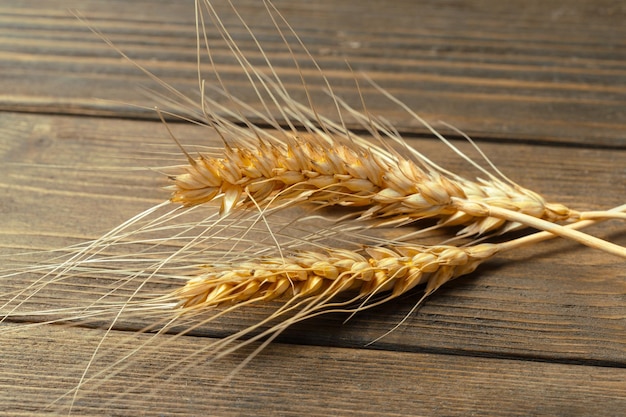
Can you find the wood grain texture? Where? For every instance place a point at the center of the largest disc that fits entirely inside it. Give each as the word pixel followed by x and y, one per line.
pixel 554 304
pixel 538 332
pixel 293 380
pixel 549 70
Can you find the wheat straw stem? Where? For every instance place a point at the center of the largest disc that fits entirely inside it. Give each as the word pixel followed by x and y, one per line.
pixel 479 208
pixel 545 235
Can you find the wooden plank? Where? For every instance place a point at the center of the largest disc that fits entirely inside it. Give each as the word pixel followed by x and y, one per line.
pixel 552 72
pixel 538 332
pixel 293 380
pixel 557 302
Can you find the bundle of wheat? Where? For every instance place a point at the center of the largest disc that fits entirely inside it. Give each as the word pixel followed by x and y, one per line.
pixel 217 263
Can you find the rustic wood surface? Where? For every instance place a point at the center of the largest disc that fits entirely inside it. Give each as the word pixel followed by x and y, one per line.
pixel 541 85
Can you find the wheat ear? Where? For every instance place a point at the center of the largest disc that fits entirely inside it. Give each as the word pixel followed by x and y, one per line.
pixel 308 273
pixel 394 269
pixel 335 166
pixel 309 283
pixel 315 172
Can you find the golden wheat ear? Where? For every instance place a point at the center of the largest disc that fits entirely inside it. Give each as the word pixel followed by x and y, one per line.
pixel 308 283
pixel 329 165
pixel 333 165
pixel 327 272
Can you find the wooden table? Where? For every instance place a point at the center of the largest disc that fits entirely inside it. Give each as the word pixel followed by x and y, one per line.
pixel 540 85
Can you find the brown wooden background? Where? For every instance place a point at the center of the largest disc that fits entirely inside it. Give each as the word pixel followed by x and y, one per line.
pixel 540 84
